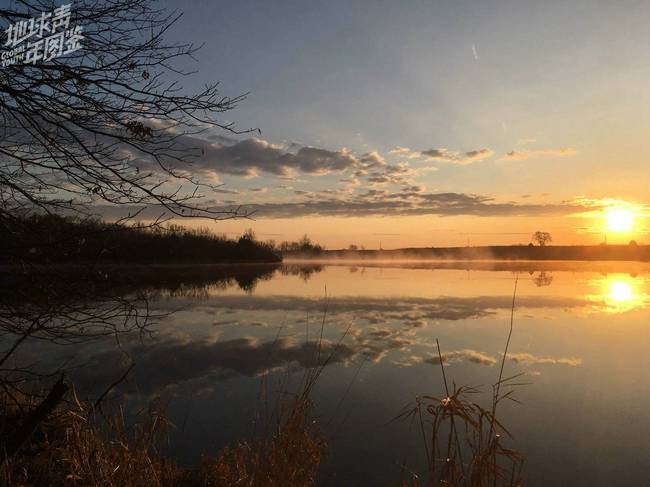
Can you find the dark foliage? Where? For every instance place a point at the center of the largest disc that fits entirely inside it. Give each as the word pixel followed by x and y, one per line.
pixel 54 239
pixel 304 246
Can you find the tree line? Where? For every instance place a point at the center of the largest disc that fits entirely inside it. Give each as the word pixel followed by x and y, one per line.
pixel 56 239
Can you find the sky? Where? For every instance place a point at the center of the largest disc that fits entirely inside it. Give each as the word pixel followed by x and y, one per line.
pixel 423 123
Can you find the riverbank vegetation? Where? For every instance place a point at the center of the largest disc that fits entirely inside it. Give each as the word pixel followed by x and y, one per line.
pixel 81 444
pixel 301 248
pixel 56 239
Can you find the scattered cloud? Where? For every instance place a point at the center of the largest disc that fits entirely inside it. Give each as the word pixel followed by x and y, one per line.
pixel 528 154
pixel 173 360
pixel 466 354
pixel 371 160
pixel 392 173
pixel 410 200
pixel 249 157
pixel 448 358
pixel 351 181
pixel 481 358
pixel 408 312
pixel 453 157
pixel 527 358
pixel 405 152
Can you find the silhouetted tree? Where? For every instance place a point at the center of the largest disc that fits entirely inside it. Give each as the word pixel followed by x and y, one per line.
pixel 542 238
pixel 108 125
pixel 302 246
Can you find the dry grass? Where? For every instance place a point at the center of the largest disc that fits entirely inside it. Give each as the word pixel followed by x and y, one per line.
pixel 79 445
pixel 465 444
pixel 289 457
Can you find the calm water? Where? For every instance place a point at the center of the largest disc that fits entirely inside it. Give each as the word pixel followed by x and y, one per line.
pixel 581 336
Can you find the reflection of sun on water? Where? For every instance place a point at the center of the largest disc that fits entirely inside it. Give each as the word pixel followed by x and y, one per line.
pixel 620 293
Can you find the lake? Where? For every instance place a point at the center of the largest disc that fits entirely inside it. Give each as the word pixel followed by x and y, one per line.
pixel 580 339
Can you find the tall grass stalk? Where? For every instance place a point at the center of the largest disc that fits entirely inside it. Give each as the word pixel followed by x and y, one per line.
pixel 463 441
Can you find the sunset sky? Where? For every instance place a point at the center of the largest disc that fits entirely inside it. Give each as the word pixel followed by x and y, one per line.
pixel 446 123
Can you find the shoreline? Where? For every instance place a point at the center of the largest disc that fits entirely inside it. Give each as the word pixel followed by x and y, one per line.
pixel 516 253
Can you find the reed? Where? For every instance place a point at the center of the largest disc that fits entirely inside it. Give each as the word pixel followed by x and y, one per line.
pixel 79 443
pixel 465 444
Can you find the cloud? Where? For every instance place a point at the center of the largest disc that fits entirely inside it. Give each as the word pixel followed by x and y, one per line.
pixel 392 173
pixel 469 157
pixel 444 155
pixel 372 160
pixel 375 343
pixel 476 155
pixel 253 156
pixel 465 354
pixel 410 200
pixel 405 152
pixel 381 327
pixel 481 358
pixel 225 323
pixel 528 358
pixel 523 155
pixel 406 311
pixel 248 158
pixel 379 179
pixel 174 360
pixel 351 181
pixel 415 188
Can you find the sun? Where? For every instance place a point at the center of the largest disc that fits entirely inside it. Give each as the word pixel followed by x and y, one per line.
pixel 619 220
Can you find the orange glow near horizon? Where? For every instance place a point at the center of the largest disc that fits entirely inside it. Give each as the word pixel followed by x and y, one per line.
pixel 620 220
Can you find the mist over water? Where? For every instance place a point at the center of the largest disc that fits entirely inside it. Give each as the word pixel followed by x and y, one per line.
pixel 580 339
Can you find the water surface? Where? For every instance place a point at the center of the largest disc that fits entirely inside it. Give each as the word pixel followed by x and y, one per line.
pixel 580 337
